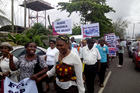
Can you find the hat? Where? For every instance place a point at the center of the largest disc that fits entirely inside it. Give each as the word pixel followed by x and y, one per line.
pixel 7 45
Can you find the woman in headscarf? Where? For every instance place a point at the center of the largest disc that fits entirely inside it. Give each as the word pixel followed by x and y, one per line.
pixel 68 69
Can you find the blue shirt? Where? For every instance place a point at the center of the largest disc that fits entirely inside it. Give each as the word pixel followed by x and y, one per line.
pixel 103 52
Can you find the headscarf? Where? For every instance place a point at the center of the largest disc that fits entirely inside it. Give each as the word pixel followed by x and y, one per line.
pixel 65 38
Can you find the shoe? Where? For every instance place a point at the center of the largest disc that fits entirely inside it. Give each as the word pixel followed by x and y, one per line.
pixel 101 85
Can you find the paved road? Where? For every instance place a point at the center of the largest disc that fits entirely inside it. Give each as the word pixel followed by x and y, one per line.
pixel 125 79
pixel 121 80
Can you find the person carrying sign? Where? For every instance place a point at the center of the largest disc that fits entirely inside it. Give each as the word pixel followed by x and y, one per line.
pixel 27 63
pixel 5 71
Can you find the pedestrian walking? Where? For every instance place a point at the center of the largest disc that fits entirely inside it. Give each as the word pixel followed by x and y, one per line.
pixel 29 63
pixel 104 61
pixel 90 57
pixel 120 52
pixel 68 69
pixel 50 60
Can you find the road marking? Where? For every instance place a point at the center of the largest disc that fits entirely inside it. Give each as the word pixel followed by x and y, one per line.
pixel 105 82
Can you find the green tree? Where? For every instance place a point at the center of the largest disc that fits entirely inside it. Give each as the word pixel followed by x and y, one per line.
pixel 36 34
pixel 91 11
pixel 76 30
pixel 120 26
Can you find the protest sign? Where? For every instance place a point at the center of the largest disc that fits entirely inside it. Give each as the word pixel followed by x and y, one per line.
pixel 90 30
pixel 62 27
pixel 111 42
pixel 24 86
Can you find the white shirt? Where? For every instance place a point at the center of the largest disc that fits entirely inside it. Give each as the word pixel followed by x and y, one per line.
pixel 51 55
pixel 91 56
pixel 4 65
pixel 71 59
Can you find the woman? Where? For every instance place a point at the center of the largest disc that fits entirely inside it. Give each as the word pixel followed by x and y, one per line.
pixel 27 63
pixel 50 59
pixel 5 48
pixel 68 69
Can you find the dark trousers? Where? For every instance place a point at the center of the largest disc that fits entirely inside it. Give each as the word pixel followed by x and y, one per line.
pixel 40 87
pixel 102 72
pixel 72 89
pixel 90 74
pixel 120 58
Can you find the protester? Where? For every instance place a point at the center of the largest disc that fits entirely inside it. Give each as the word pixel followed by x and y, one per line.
pixel 68 69
pixel 90 57
pixel 73 43
pixel 120 52
pixel 5 71
pixel 50 59
pixel 83 44
pixel 103 64
pixel 27 63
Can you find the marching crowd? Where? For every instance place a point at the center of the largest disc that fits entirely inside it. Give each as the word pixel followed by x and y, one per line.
pixel 70 66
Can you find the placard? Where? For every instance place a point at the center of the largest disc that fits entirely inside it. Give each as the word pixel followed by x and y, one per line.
pixel 62 27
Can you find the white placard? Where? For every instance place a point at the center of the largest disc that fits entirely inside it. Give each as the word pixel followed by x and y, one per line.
pixel 62 27
pixel 24 86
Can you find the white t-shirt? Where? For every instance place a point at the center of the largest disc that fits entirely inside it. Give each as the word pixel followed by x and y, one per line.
pixel 51 55
pixel 4 65
pixel 71 59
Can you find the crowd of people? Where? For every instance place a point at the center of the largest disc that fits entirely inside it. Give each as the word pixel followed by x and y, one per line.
pixel 66 64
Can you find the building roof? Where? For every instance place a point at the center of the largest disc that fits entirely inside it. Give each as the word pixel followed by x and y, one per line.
pixel 37 5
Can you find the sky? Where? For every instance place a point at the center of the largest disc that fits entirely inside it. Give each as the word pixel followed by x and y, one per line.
pixel 126 9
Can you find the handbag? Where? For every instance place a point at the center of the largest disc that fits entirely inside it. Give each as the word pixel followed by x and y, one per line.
pixel 37 67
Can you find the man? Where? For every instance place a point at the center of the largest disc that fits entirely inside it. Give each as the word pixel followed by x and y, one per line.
pixel 121 52
pixel 103 49
pixel 90 57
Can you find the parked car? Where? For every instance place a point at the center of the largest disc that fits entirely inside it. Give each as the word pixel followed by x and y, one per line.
pixel 131 47
pixel 136 55
pixel 20 50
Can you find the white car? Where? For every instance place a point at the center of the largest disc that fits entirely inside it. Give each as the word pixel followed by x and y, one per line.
pixel 20 50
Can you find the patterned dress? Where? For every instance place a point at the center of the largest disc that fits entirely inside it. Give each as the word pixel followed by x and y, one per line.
pixel 27 67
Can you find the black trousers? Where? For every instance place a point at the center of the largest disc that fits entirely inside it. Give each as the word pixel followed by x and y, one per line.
pixel 90 74
pixel 120 58
pixel 72 89
pixel 102 72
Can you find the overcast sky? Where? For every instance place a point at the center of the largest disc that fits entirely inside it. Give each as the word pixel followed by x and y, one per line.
pixel 127 9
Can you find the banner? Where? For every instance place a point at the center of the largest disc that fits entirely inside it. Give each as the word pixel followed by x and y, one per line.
pixel 25 86
pixel 111 42
pixel 90 30
pixel 62 27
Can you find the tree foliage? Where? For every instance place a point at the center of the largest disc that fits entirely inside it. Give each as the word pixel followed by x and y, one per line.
pixel 35 34
pixel 91 11
pixel 76 30
pixel 120 26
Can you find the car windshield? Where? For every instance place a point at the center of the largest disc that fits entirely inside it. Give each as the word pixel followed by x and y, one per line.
pixel 21 51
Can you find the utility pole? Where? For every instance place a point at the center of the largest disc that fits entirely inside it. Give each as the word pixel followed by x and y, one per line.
pixel 133 31
pixel 12 15
pixel 25 13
